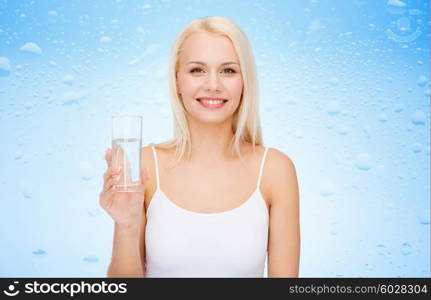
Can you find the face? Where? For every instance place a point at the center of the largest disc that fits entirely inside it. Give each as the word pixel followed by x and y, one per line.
pixel 209 68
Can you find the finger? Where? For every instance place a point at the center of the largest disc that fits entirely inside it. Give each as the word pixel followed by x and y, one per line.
pixel 109 173
pixel 108 156
pixel 110 183
pixel 108 179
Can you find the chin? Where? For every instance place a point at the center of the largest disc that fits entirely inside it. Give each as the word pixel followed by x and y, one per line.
pixel 214 120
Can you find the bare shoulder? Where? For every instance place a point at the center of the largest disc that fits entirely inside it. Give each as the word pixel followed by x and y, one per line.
pixel 147 160
pixel 281 170
pixel 279 160
pixel 146 150
pixel 147 157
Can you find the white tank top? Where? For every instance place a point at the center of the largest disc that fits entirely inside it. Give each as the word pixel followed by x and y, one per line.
pixel 183 243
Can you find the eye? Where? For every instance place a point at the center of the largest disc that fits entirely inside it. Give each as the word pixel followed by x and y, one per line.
pixel 227 70
pixel 231 71
pixel 194 70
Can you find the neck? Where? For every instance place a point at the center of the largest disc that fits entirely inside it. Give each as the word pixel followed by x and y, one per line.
pixel 210 143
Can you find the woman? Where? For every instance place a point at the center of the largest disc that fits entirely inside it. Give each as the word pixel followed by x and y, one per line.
pixel 213 202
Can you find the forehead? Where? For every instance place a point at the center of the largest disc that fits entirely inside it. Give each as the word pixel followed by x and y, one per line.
pixel 208 47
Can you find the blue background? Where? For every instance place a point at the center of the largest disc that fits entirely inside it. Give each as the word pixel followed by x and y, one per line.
pixel 344 89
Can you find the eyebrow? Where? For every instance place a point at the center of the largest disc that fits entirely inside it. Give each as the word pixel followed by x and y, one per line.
pixel 202 63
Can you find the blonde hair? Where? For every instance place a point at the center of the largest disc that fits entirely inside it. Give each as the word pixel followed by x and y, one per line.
pixel 246 123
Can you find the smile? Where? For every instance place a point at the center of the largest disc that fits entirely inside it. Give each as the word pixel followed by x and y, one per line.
pixel 212 103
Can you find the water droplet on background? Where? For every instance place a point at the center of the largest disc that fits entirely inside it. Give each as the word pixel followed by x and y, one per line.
pixel 367 130
pixel 364 161
pixel 314 89
pixel 334 81
pixel 28 105
pixel 380 248
pixel 39 252
pixel 86 171
pixel 417 147
pixel 415 12
pixel 93 212
pixel 18 155
pixel 398 107
pixel 4 66
pixel 342 129
pixel 406 249
pixel 291 100
pixel 105 39
pixel 422 81
pixel 330 124
pixel 74 97
pixel 356 182
pixel 26 188
pixel 31 48
pixel 424 217
pixel 418 117
pixel 68 79
pixel 299 134
pixel 90 259
pixel 383 118
pixel 333 108
pixel 327 189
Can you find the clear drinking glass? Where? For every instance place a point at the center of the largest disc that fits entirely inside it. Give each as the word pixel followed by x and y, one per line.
pixel 126 150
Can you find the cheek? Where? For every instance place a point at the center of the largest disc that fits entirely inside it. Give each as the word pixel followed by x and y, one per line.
pixel 235 87
pixel 189 85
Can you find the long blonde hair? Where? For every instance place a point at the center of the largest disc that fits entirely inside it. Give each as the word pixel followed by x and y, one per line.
pixel 246 122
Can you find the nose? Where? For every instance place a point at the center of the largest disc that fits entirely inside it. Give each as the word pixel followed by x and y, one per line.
pixel 213 82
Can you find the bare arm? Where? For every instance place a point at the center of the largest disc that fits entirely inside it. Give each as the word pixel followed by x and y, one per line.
pixel 128 213
pixel 126 258
pixel 284 232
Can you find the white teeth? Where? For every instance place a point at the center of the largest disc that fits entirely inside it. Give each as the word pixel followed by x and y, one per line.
pixel 212 102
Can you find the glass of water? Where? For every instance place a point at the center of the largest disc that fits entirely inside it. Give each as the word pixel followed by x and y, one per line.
pixel 126 150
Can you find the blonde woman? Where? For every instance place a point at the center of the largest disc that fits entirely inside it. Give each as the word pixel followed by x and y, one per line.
pixel 214 201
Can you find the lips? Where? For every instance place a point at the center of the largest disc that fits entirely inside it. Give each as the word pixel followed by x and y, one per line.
pixel 211 98
pixel 206 102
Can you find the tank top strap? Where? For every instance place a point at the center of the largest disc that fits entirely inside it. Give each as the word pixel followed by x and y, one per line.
pixel 156 163
pixel 262 163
